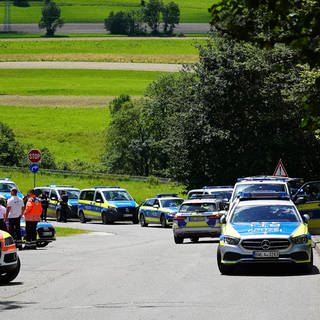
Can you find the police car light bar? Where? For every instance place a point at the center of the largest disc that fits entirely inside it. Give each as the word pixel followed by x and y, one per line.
pixel 263 195
pixel 263 178
pixel 58 186
pixel 203 196
pixel 107 187
pixel 162 195
pixel 5 179
pixel 217 187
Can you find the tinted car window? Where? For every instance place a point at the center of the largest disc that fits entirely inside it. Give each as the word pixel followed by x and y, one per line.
pixel 198 207
pixel 72 194
pixel 99 197
pixel 53 194
pixel 6 187
pixel 171 203
pixel 117 195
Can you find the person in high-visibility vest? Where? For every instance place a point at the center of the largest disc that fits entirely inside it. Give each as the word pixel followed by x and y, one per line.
pixel 32 216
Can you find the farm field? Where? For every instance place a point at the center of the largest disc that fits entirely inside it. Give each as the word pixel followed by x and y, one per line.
pixel 69 133
pixel 139 190
pixel 98 10
pixel 144 50
pixel 74 82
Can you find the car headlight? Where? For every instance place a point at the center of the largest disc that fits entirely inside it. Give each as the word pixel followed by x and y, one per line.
pixel 231 240
pixel 8 241
pixel 300 240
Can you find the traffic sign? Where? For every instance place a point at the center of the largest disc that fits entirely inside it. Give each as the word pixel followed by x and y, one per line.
pixel 280 170
pixel 34 155
pixel 34 167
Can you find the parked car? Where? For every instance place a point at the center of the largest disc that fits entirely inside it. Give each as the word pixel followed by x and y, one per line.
pixel 159 210
pixel 54 195
pixel 5 187
pixel 107 204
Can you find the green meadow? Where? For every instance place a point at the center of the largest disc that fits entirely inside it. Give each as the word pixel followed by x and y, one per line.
pixel 98 10
pixel 74 82
pixel 116 50
pixel 140 190
pixel 69 133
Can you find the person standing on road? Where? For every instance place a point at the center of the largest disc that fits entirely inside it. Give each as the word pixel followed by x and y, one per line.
pixel 3 225
pixel 14 212
pixel 44 203
pixel 64 206
pixel 32 215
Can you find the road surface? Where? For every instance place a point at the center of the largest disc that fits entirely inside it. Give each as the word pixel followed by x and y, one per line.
pixel 123 271
pixel 99 28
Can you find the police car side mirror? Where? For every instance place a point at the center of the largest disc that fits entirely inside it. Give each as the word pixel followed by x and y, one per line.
pixel 98 200
pixel 300 200
pixel 306 218
pixel 223 219
pixel 53 198
pixel 156 206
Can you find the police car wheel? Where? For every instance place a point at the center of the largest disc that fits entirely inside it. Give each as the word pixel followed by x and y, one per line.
pixel 223 268
pixel 143 221
pixel 163 221
pixel 10 275
pixel 194 239
pixel 82 217
pixel 58 217
pixel 308 267
pixel 178 240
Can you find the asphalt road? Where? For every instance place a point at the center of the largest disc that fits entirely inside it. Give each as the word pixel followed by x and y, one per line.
pixel 99 28
pixel 123 271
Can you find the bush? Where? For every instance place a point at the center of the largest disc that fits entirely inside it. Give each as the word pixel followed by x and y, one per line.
pixel 50 19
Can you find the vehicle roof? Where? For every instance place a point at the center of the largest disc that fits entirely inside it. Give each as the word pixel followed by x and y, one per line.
pixel 275 181
pixel 205 200
pixel 104 189
pixel 165 198
pixel 273 202
pixel 57 187
pixel 6 180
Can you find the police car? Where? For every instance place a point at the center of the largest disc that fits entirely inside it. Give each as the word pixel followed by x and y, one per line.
pixel 219 192
pixel 159 210
pixel 107 204
pixel 5 187
pixel 266 229
pixel 307 200
pixel 197 218
pixel 9 260
pixel 54 196
pixel 45 232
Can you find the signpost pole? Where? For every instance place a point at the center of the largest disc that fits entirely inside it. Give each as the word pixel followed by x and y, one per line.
pixel 34 180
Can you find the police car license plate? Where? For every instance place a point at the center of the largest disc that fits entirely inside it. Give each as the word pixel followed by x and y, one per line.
pixel 47 233
pixel 125 215
pixel 197 218
pixel 266 254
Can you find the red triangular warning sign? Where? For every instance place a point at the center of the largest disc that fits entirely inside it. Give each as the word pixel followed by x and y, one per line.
pixel 280 170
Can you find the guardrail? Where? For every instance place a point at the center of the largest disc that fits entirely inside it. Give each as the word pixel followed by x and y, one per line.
pixel 88 174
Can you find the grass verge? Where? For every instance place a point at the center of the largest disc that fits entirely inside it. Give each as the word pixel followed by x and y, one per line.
pixel 74 82
pixel 67 232
pixel 140 190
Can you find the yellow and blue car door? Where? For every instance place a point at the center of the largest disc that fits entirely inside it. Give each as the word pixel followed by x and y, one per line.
pixel 86 204
pixel 53 204
pixel 310 192
pixel 153 212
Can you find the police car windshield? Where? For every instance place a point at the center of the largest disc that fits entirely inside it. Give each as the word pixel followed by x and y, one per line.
pixel 221 194
pixel 198 207
pixel 6 186
pixel 117 195
pixel 250 187
pixel 72 194
pixel 264 213
pixel 171 203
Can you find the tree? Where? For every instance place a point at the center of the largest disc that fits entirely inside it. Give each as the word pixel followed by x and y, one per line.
pixel 171 17
pixel 233 116
pixel 21 3
pixel 50 19
pixel 152 12
pixel 47 160
pixel 295 23
pixel 11 152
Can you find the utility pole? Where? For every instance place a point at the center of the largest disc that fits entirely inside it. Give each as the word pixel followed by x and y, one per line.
pixel 6 20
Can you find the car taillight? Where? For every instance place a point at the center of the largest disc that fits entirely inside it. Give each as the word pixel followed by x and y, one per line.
pixel 213 217
pixel 179 218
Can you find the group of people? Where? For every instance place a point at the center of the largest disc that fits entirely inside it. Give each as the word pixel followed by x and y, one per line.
pixel 31 207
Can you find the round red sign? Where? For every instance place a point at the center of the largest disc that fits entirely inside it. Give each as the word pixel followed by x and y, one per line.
pixel 34 155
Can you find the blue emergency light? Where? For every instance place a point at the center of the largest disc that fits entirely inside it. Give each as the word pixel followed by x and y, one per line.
pixel 263 195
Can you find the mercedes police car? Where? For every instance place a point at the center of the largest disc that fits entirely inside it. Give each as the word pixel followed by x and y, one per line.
pixel 159 210
pixel 197 218
pixel 107 204
pixel 5 187
pixel 54 196
pixel 266 229
pixel 9 260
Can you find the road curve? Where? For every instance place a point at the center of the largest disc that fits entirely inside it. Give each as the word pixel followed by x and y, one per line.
pixel 162 67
